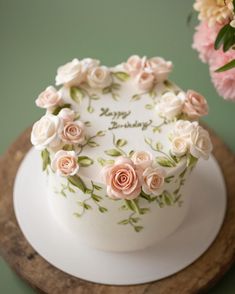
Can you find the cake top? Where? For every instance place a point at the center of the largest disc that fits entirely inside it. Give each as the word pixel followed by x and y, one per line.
pixel 129 114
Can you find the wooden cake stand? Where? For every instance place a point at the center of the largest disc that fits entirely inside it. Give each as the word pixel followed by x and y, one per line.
pixel 199 276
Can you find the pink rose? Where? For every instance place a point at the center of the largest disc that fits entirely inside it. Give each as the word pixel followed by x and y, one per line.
pixel 73 133
pixel 67 114
pixel 153 180
pixel 135 64
pixel 195 105
pixel 224 81
pixel 203 40
pixel 142 159
pixel 160 67
pixel 65 163
pixel 145 80
pixel 123 179
pixel 48 98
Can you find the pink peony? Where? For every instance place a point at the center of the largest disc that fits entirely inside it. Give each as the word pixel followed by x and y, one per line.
pixel 203 40
pixel 123 179
pixel 224 81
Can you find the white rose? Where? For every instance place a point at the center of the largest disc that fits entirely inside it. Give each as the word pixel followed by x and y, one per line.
pixel 49 98
pixel 88 63
pixel 67 114
pixel 70 74
pixel 160 67
pixel 183 128
pixel 201 145
pixel 170 104
pixel 179 146
pixel 142 159
pixel 99 77
pixel 45 132
pixel 153 180
pixel 145 80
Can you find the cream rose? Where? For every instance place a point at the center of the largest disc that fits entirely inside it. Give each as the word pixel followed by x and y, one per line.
pixel 88 63
pixel 123 179
pixel 145 80
pixel 179 146
pixel 45 132
pixel 70 74
pixel 171 104
pixel 134 65
pixel 65 163
pixel 142 159
pixel 160 67
pixel 200 143
pixel 67 114
pixel 49 98
pixel 73 133
pixel 99 77
pixel 195 105
pixel 183 128
pixel 153 180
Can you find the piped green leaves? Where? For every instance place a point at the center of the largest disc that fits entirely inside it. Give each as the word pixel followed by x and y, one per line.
pixel 77 182
pixel 113 152
pixel 76 94
pixel 45 159
pixel 84 161
pixel 121 76
pixel 59 108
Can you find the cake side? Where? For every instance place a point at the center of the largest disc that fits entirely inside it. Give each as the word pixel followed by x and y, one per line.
pixel 118 144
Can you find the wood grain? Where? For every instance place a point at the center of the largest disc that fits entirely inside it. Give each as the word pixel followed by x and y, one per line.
pixel 197 277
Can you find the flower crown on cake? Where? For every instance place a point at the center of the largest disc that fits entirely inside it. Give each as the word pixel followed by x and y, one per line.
pixel 62 137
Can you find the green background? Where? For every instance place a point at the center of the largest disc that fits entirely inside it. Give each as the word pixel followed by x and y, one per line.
pixel 38 36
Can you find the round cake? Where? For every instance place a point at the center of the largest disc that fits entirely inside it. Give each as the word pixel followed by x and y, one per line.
pixel 117 145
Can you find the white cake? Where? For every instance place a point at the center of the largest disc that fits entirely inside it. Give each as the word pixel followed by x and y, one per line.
pixel 118 145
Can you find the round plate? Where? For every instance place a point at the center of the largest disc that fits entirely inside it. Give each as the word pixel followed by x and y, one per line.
pixel 63 249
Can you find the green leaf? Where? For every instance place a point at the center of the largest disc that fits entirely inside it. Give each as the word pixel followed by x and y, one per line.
pixel 59 108
pixel 90 109
pixel 121 75
pixel 183 173
pixel 167 199
pixel 164 161
pixel 159 146
pixel 136 97
pixel 104 162
pixel 124 222
pixel 191 160
pixel 116 86
pixel 168 179
pixel 102 209
pixel 76 94
pixel 78 215
pixel 138 228
pixel 86 206
pixel 144 210
pixel 94 97
pixel 87 123
pixel 45 159
pixel 85 161
pixel 149 106
pixel 148 141
pixel 68 147
pixel 100 133
pixel 92 143
pixel 113 152
pixel 220 37
pixel 77 182
pixel 131 153
pixel 95 197
pixel 106 90
pixel 135 220
pixel 121 142
pixel 97 187
pixel 132 205
pixel 227 66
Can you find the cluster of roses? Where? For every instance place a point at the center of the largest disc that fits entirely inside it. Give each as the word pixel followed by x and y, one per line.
pixel 127 176
pixel 189 137
pixel 147 72
pixel 191 104
pixel 217 27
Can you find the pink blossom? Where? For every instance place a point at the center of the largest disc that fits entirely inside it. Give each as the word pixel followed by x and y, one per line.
pixel 65 163
pixel 195 105
pixel 123 179
pixel 224 81
pixel 204 39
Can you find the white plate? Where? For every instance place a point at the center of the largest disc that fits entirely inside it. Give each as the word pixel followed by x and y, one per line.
pixel 62 248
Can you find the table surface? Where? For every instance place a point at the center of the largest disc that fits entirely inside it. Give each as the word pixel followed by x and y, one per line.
pixel 38 36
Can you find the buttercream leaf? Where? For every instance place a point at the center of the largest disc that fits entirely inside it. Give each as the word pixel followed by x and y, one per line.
pixel 76 94
pixel 121 142
pixel 77 182
pixel 113 152
pixel 164 161
pixel 85 161
pixel 121 75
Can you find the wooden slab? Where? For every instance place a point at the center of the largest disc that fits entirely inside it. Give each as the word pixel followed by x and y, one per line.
pixel 197 277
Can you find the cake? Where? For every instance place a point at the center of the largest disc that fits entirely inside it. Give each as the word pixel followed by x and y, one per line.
pixel 117 146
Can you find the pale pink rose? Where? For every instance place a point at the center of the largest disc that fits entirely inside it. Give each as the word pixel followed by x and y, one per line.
pixel 153 180
pixel 142 159
pixel 99 77
pixel 145 80
pixel 45 132
pixel 195 105
pixel 200 143
pixel 179 146
pixel 73 133
pixel 203 40
pixel 49 98
pixel 224 81
pixel 65 163
pixel 134 65
pixel 160 67
pixel 71 74
pixel 123 179
pixel 67 114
